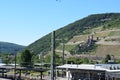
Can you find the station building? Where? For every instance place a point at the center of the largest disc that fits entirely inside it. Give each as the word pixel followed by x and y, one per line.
pixel 90 71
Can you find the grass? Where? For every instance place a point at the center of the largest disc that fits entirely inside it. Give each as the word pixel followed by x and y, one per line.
pixel 102 34
pixel 79 38
pixel 59 53
pixel 114 33
pixel 95 35
pixel 108 49
pixel 113 39
pixel 67 47
pixel 93 30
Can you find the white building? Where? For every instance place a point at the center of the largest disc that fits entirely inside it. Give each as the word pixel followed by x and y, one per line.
pixel 91 72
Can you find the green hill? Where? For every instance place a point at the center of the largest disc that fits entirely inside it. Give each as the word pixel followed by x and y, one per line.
pixel 6 47
pixel 85 26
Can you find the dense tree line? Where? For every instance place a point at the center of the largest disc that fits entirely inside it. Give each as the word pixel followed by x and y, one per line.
pixel 6 47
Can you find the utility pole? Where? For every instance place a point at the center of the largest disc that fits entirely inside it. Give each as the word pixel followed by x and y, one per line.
pixel 63 48
pixel 52 56
pixel 15 68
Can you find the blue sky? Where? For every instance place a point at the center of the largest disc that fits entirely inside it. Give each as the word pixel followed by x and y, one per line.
pixel 25 21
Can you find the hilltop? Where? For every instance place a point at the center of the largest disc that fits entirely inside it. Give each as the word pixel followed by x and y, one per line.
pixel 103 27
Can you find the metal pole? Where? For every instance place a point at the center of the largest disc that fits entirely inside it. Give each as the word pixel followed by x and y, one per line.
pixel 41 75
pixel 20 75
pixel 53 55
pixel 15 68
pixel 63 47
pixel 63 54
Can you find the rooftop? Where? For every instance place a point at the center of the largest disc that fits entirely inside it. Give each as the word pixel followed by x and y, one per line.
pixel 101 67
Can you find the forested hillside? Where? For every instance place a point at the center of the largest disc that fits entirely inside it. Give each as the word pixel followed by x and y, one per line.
pixel 6 47
pixel 106 21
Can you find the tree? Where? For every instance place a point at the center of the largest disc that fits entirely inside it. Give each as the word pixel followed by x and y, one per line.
pixel 26 59
pixel 107 57
pixel 85 60
pixel 47 59
pixel 6 58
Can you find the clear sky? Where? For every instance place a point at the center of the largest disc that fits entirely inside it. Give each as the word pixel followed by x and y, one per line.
pixel 25 21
